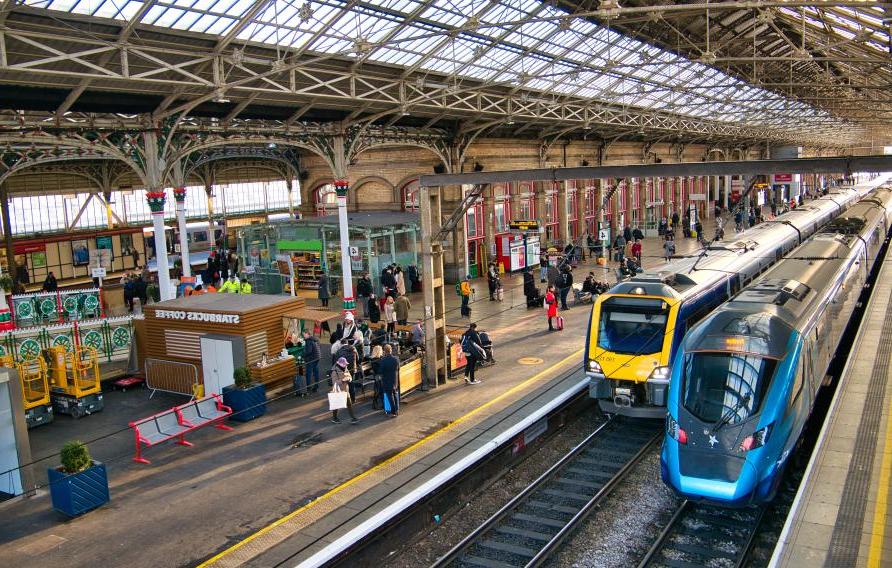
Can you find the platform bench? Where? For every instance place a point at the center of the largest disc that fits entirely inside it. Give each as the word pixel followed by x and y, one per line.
pixel 177 422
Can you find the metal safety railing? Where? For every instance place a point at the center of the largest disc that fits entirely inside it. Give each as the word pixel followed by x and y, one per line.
pixel 172 376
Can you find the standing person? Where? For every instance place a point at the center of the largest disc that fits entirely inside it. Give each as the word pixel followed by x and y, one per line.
pixel 566 282
pixel 312 355
pixel 418 333
pixel 129 291
pixel 591 243
pixel 373 310
pixel 135 254
pixel 551 304
pixel 389 368
pixel 388 282
pixel 529 287
pixel 627 233
pixel 230 286
pixel 674 220
pixel 543 267
pixel 636 250
pixel 402 307
pixel 390 315
pixel 400 280
pixel 50 284
pixel 464 290
pixel 492 279
pixel 323 290
pixel 363 291
pixel 619 247
pixel 472 346
pixel 245 287
pixel 637 235
pixel 668 248
pixel 341 379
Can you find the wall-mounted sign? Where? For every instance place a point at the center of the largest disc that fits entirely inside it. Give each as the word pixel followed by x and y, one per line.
pixel 780 178
pixel 29 248
pixel 528 225
pixel 97 272
pixel 197 316
pixel 104 243
pixel 697 197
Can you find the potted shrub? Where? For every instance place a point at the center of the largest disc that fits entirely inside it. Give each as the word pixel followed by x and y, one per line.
pixel 80 484
pixel 247 399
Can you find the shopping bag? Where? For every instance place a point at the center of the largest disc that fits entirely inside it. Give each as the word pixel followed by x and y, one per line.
pixel 386 398
pixel 560 322
pixel 500 293
pixel 337 400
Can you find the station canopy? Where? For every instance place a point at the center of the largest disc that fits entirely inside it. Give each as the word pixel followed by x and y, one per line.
pixel 534 48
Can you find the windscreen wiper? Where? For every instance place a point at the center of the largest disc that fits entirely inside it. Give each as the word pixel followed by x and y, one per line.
pixel 726 417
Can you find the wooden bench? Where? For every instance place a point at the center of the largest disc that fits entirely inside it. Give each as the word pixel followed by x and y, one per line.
pixel 177 422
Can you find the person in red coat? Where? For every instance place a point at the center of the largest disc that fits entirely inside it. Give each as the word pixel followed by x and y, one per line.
pixel 551 303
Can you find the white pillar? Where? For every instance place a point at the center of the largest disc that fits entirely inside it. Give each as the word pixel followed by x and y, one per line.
pixel 179 194
pixel 156 204
pixel 341 187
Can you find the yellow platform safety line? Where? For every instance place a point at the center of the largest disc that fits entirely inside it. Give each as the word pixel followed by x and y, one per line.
pixel 209 562
pixel 875 552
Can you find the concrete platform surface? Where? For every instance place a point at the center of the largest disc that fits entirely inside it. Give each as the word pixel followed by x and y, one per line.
pixel 841 515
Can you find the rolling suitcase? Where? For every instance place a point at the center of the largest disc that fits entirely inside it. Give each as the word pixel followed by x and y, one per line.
pixel 559 323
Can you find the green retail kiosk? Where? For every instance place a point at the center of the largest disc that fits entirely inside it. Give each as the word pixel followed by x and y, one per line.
pixel 377 239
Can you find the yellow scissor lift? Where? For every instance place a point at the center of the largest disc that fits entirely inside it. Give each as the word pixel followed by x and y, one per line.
pixel 75 378
pixel 35 389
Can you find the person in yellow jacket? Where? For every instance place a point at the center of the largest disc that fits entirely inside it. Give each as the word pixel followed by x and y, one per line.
pixel 245 287
pixel 230 286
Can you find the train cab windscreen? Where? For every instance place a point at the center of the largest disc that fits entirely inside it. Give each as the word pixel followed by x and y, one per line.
pixel 725 387
pixel 632 326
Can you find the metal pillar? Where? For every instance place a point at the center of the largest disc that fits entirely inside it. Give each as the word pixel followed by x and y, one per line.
pixel 179 195
pixel 6 322
pixel 156 201
pixel 341 188
pixel 435 352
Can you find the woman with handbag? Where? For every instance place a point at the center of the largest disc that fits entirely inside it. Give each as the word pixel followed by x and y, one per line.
pixel 551 304
pixel 339 397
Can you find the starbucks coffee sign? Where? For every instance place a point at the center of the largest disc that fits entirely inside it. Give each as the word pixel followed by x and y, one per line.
pixel 197 316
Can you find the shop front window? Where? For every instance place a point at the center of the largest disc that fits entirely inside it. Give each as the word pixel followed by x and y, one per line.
pixel 501 222
pixel 411 196
pixel 471 222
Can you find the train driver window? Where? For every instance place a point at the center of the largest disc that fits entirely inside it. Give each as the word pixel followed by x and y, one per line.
pixel 799 379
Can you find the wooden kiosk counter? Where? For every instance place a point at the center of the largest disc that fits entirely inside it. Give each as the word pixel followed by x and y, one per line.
pixel 212 334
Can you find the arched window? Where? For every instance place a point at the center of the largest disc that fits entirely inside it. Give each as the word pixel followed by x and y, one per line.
pixel 411 200
pixel 326 200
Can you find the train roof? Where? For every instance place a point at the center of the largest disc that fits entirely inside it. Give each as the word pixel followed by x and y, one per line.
pixel 764 332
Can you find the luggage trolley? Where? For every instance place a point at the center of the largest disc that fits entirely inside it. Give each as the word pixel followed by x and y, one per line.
pixel 76 390
pixel 35 392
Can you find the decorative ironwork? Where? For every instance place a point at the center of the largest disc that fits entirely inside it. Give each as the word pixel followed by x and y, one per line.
pixel 156 200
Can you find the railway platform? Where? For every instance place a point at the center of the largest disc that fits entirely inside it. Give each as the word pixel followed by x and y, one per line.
pixel 278 485
pixel 841 514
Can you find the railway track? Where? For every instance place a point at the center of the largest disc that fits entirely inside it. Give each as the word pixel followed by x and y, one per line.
pixel 528 529
pixel 701 535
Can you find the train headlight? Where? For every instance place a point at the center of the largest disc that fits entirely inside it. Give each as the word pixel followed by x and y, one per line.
pixel 660 374
pixel 594 366
pixel 756 440
pixel 675 431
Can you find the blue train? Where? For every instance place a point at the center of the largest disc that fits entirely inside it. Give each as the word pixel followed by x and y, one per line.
pixel 746 377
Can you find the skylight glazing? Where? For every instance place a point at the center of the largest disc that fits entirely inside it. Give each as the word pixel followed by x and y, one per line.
pixel 524 44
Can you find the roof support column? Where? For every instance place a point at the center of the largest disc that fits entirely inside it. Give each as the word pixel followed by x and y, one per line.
pixel 179 195
pixel 489 225
pixel 435 352
pixel 6 322
pixel 156 200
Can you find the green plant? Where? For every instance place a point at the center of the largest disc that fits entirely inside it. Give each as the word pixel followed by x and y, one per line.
pixel 75 457
pixel 242 377
pixel 152 291
pixel 6 282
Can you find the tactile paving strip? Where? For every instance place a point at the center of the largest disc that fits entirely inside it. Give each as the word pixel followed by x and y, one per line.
pixel 845 541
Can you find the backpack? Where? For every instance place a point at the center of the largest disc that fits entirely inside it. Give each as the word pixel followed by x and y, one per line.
pixel 466 344
pixel 458 288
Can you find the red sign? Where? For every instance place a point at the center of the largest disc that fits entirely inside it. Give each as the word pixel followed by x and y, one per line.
pixel 28 248
pixel 782 178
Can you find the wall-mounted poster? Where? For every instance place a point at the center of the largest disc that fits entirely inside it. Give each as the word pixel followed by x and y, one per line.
pixel 104 243
pixel 38 260
pixel 80 253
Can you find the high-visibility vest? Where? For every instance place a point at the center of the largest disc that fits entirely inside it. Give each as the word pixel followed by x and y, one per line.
pixel 245 288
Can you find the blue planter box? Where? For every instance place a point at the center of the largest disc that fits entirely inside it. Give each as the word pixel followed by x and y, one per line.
pixel 246 404
pixel 80 492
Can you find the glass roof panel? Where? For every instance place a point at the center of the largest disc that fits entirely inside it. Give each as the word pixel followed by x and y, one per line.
pixel 508 38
